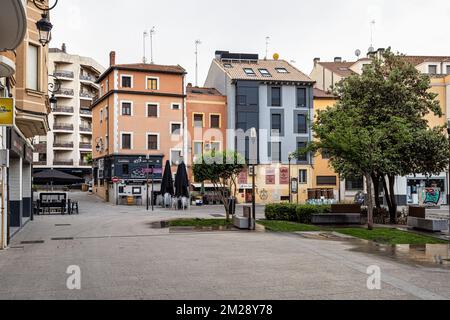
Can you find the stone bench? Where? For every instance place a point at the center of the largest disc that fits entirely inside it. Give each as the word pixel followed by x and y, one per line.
pixel 243 222
pixel 433 225
pixel 337 218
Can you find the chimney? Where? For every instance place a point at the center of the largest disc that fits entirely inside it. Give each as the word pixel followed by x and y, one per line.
pixel 63 48
pixel 189 84
pixel 337 59
pixel 112 58
pixel 316 61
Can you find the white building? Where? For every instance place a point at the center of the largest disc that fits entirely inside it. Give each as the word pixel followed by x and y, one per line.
pixel 69 143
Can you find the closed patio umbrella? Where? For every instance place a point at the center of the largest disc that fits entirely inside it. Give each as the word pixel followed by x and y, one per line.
pixel 182 182
pixel 167 181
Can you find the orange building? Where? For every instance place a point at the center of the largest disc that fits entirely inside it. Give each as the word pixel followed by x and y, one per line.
pixel 137 125
pixel 206 122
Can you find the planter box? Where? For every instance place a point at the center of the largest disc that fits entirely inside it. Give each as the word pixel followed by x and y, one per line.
pixel 345 208
pixel 337 218
pixel 417 212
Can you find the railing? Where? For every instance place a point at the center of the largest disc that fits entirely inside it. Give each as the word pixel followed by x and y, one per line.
pixel 64 92
pixel 85 145
pixel 63 162
pixel 63 144
pixel 88 77
pixel 40 147
pixel 63 126
pixel 87 95
pixel 85 129
pixel 85 163
pixel 63 109
pixel 63 74
pixel 85 112
pixel 40 163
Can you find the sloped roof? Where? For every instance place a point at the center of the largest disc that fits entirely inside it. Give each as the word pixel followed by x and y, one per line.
pixel 320 94
pixel 152 67
pixel 236 70
pixel 416 60
pixel 203 91
pixel 340 68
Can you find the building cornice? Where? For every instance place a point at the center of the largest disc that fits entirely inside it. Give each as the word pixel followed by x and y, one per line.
pixel 139 93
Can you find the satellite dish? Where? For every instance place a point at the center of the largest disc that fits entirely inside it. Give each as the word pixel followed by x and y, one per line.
pixel 371 49
pixel 276 56
pixel 358 53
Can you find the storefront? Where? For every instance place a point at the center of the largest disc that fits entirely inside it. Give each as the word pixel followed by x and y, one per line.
pixel 416 186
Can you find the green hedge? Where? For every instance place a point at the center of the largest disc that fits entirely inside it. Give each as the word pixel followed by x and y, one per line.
pixel 293 212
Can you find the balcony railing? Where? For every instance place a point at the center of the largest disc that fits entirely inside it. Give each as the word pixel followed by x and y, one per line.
pixel 85 128
pixel 85 163
pixel 63 126
pixel 40 163
pixel 64 92
pixel 87 95
pixel 85 145
pixel 63 109
pixel 88 77
pixel 63 74
pixel 63 144
pixel 63 162
pixel 40 147
pixel 85 112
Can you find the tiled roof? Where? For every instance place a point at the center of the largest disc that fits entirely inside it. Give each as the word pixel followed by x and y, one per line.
pixel 152 67
pixel 323 94
pixel 236 70
pixel 203 91
pixel 340 68
pixel 416 60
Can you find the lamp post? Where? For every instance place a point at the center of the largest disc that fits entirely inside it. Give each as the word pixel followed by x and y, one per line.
pixel 448 187
pixel 44 25
pixel 291 156
pixel 253 159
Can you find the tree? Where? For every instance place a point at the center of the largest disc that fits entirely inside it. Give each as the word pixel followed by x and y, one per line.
pixel 221 169
pixel 388 104
pixel 89 159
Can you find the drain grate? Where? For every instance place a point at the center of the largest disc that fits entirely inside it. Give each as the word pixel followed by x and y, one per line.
pixel 62 225
pixel 63 239
pixel 32 242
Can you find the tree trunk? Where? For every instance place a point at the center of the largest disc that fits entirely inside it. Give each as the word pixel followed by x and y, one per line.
pixel 393 208
pixel 369 184
pixel 376 189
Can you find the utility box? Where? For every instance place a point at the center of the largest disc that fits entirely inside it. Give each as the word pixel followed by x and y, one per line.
pixel 243 222
pixel 4 158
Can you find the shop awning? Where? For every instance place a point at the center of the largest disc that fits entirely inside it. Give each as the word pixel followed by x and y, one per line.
pixel 13 23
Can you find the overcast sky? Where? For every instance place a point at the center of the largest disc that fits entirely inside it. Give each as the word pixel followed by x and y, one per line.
pixel 299 30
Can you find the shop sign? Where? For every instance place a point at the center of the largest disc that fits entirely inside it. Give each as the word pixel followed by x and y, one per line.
pixel 284 175
pixel 28 155
pixel 294 186
pixel 6 112
pixel 270 176
pixel 17 144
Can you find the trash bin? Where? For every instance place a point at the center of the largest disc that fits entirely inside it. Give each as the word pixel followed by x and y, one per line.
pixel 232 205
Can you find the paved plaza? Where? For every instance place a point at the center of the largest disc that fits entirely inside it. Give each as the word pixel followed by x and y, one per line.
pixel 122 257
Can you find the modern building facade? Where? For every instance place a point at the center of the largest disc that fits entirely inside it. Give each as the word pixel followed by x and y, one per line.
pixel 68 146
pixel 23 97
pixel 407 189
pixel 138 124
pixel 270 107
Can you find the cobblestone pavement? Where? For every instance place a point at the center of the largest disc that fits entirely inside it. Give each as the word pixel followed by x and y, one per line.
pixel 122 257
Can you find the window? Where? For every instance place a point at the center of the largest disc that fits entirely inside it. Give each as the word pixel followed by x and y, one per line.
pixel 326 180
pixel 175 106
pixel 152 83
pixel 175 157
pixel 448 69
pixel 432 69
pixel 125 169
pixel 126 141
pixel 281 70
pixel 175 128
pixel 101 115
pixel 227 65
pixel 126 82
pixel 302 126
pixel 198 148
pixel 301 97
pixel 354 183
pixel 276 96
pixel 152 111
pixel 214 121
pixel 276 124
pixel 126 108
pixel 242 100
pixel 249 72
pixel 300 146
pixel 265 72
pixel 276 151
pixel 106 113
pixel 152 142
pixel 106 142
pixel 33 67
pixel 303 176
pixel 198 120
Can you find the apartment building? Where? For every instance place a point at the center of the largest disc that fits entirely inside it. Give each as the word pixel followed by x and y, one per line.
pixel 138 124
pixel 327 74
pixel 68 146
pixel 206 110
pixel 274 100
pixel 25 106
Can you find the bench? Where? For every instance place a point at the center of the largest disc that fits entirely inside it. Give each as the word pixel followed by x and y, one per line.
pixel 340 214
pixel 243 222
pixel 417 220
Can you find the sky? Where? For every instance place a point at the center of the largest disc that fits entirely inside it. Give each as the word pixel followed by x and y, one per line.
pixel 299 30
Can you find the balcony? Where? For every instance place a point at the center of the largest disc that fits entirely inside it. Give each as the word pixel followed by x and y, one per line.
pixel 61 74
pixel 63 127
pixel 63 110
pixel 40 163
pixel 88 95
pixel 85 164
pixel 63 162
pixel 86 129
pixel 88 77
pixel 40 147
pixel 85 146
pixel 64 93
pixel 85 113
pixel 63 145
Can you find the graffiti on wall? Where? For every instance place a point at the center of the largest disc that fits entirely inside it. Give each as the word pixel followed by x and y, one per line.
pixel 430 196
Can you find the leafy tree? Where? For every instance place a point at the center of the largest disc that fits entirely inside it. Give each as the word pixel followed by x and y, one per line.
pixel 89 159
pixel 221 169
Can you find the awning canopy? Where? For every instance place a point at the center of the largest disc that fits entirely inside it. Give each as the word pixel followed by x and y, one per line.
pixel 49 176
pixel 13 23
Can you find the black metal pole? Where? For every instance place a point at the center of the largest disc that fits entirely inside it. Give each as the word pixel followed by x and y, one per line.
pixel 253 222
pixel 147 187
pixel 290 186
pixel 153 188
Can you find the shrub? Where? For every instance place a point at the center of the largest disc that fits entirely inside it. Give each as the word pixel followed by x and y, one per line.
pixel 293 212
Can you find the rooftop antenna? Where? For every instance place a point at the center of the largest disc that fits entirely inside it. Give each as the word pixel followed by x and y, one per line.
pixel 267 47
pixel 197 43
pixel 372 28
pixel 152 32
pixel 145 38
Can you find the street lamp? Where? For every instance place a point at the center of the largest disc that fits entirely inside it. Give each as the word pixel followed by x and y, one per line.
pixel 291 156
pixel 53 87
pixel 44 25
pixel 253 160
pixel 448 187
